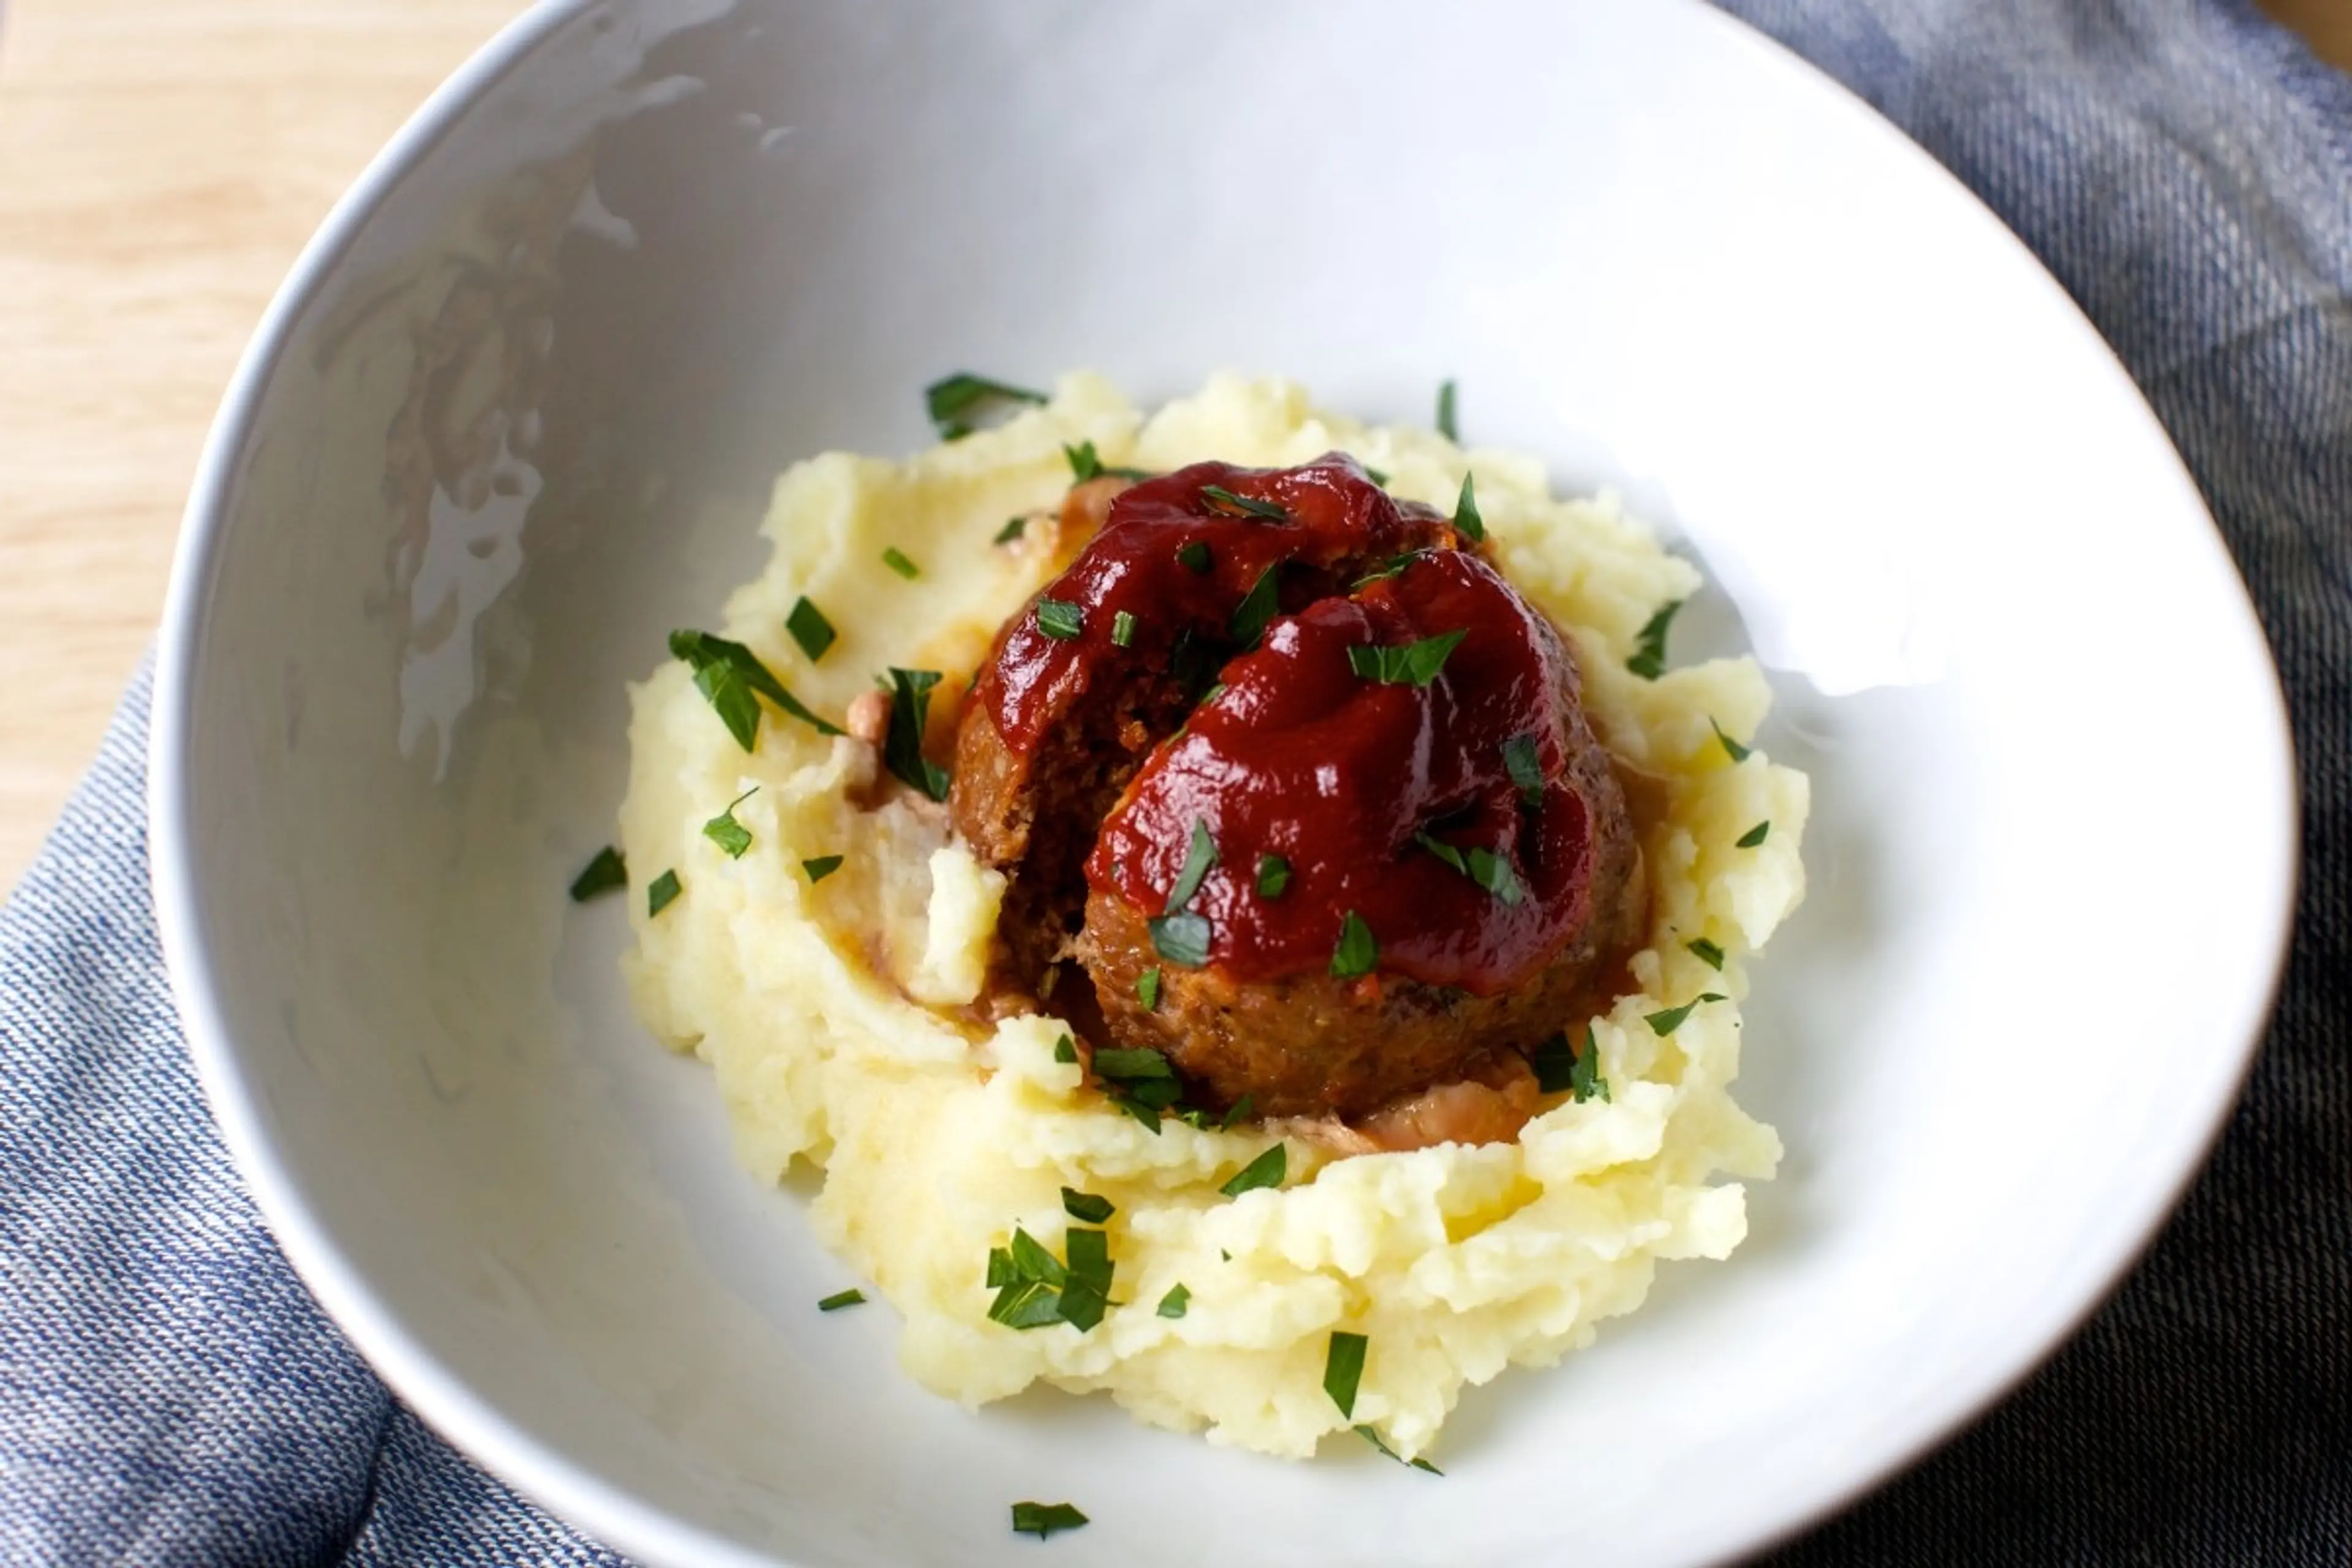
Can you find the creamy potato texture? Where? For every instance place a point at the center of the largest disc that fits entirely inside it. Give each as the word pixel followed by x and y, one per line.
pixel 838 1014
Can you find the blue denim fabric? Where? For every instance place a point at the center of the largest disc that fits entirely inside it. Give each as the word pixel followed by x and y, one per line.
pixel 170 1394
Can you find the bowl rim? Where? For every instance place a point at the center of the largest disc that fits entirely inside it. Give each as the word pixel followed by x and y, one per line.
pixel 473 1424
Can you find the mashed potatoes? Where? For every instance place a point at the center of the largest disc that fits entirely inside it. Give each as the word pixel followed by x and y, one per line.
pixel 837 1012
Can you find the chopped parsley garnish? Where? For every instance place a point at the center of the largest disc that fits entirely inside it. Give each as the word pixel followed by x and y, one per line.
pixel 1446 412
pixel 1123 629
pixel 1584 1081
pixel 1042 1519
pixel 952 401
pixel 662 893
pixel 1667 1023
pixel 1086 1295
pixel 1357 953
pixel 1343 1366
pixel 725 832
pixel 1273 876
pixel 1755 836
pixel 1131 1066
pixel 896 559
pixel 1467 521
pixel 1212 694
pixel 809 628
pixel 1086 1207
pixel 1484 866
pixel 1392 567
pixel 836 1302
pixel 1373 1437
pixel 1377 475
pixel 1560 1067
pixel 1223 499
pixel 1066 1050
pixel 1708 953
pixel 1525 767
pixel 1035 1288
pixel 1172 1305
pixel 902 750
pixel 1014 528
pixel 1199 857
pixel 1195 556
pixel 1649 660
pixel 1731 748
pixel 823 865
pixel 1142 1083
pixel 1414 664
pixel 1259 605
pixel 1147 989
pixel 1060 619
pixel 606 872
pixel 1266 1170
pixel 1086 464
pixel 732 677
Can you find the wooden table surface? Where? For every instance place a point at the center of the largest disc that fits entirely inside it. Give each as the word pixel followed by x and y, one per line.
pixel 160 163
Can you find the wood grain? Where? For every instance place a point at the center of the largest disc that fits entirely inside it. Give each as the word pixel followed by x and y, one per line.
pixel 160 163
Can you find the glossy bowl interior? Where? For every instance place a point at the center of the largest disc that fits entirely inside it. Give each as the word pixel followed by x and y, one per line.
pixel 516 412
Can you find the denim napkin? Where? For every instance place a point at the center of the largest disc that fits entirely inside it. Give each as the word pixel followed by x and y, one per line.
pixel 170 1394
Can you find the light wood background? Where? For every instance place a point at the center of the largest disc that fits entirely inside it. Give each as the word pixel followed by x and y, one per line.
pixel 160 163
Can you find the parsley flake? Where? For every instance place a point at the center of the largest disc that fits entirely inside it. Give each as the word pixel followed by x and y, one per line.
pixel 662 893
pixel 1446 412
pixel 1370 1435
pixel 1377 475
pixel 952 401
pixel 1086 464
pixel 1414 664
pixel 1755 836
pixel 1259 605
pixel 1060 619
pixel 1183 939
pixel 1484 866
pixel 1130 1065
pixel 818 869
pixel 606 872
pixel 1525 767
pixel 1123 629
pixel 836 1302
pixel 1195 556
pixel 1066 1050
pixel 1035 1290
pixel 1585 1080
pixel 809 628
pixel 1357 953
pixel 1392 567
pixel 1467 521
pixel 1014 528
pixel 1086 1207
pixel 1343 1369
pixel 902 749
pixel 1042 1519
pixel 1198 859
pixel 725 832
pixel 896 559
pixel 1273 876
pixel 1172 1305
pixel 1266 1170
pixel 1731 748
pixel 1667 1023
pixel 732 678
pixel 1147 989
pixel 1223 499
pixel 1708 953
pixel 1649 660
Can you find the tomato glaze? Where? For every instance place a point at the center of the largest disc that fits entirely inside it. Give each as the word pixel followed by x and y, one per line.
pixel 1296 753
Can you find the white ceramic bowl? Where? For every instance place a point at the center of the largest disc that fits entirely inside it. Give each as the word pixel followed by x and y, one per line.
pixel 510 420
